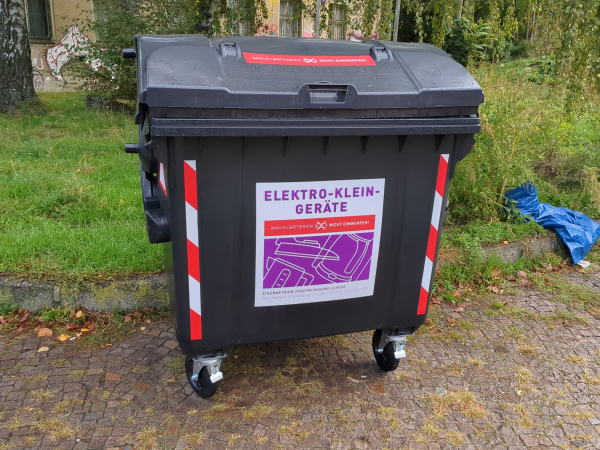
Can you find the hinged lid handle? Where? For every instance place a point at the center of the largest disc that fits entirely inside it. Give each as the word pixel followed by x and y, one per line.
pixel 229 49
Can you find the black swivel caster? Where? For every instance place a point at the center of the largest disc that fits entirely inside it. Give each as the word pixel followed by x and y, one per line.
pixel 201 383
pixel 388 351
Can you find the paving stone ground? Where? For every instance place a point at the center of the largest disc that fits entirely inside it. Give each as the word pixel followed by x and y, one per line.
pixel 478 379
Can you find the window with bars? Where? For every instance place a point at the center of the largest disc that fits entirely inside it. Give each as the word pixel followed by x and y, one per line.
pixel 288 26
pixel 338 23
pixel 38 19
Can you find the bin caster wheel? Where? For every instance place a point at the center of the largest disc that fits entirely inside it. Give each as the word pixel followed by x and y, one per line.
pixel 202 386
pixel 385 358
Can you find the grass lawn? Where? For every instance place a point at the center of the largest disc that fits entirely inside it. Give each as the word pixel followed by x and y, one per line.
pixel 70 196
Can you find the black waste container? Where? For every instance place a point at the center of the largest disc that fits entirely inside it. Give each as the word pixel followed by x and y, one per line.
pixel 299 185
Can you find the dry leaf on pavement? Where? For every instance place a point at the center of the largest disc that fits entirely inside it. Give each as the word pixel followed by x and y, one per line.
pixel 44 332
pixel 43 349
pixel 63 337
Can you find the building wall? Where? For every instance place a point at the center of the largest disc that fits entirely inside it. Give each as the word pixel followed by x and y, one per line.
pixel 48 65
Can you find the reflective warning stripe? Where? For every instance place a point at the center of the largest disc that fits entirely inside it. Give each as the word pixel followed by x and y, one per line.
pixel 193 251
pixel 440 187
pixel 161 179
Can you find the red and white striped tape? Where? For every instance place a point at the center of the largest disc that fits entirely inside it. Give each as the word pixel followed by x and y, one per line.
pixel 161 179
pixel 193 251
pixel 440 187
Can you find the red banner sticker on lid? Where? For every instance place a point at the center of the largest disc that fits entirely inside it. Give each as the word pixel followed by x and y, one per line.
pixel 303 60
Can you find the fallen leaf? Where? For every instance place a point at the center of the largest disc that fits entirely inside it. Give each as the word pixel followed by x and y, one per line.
pixel 495 289
pixel 436 300
pixel 428 321
pixel 78 335
pixel 456 293
pixel 505 242
pixel 22 312
pixel 63 337
pixel 44 332
pixel 148 309
pixel 137 315
pixel 79 314
pixel 43 349
pixel 72 326
pixel 148 321
pixel 108 345
pixel 519 393
pixel 100 276
pixel 2 321
pixel 450 320
pixel 22 323
pixel 459 309
pixel 506 303
pixel 142 328
pixel 496 273
pixel 92 326
pixel 521 274
pixel 127 318
pixel 85 330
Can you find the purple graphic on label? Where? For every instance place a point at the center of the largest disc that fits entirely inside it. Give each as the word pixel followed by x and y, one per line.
pixel 316 260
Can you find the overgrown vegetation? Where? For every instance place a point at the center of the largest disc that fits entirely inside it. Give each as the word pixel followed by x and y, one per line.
pixel 526 135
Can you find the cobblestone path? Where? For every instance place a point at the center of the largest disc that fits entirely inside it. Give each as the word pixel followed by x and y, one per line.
pixel 503 376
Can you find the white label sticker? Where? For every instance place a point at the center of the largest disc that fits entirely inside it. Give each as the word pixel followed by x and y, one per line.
pixel 317 241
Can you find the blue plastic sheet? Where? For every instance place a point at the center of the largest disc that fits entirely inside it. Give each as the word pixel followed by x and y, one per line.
pixel 576 230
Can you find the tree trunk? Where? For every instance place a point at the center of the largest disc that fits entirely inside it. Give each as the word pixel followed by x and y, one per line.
pixel 397 19
pixel 460 9
pixel 16 73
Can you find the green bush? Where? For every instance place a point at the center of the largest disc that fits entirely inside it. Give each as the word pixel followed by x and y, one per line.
pixel 103 72
pixel 466 41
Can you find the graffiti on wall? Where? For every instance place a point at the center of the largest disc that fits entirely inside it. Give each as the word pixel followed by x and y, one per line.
pixel 37 63
pixel 71 45
pixel 267 30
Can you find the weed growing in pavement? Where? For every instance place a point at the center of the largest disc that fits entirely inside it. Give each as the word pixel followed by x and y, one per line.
pixel 257 411
pixel 576 359
pixel 194 438
pixel 37 379
pixel 7 308
pixel 294 431
pixel 176 365
pixel 390 414
pixel 29 441
pixel 65 405
pixel 56 427
pixel 146 439
pixel 58 362
pixel 524 419
pixel 462 400
pixel 582 415
pixel 43 394
pixel 14 423
pixel 591 378
pixel 527 350
pixel 287 411
pixel 454 438
pixel 77 373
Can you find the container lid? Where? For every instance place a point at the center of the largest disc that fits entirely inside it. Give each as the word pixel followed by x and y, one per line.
pixel 191 71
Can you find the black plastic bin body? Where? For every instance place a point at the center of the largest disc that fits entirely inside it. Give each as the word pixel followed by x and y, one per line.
pixel 299 185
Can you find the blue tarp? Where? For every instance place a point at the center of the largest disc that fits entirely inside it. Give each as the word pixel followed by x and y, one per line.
pixel 576 230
